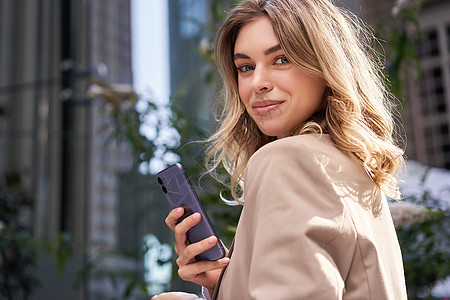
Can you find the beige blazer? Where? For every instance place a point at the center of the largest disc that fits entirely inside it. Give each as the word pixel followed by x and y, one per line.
pixel 308 229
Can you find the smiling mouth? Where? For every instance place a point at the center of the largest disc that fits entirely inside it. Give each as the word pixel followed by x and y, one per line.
pixel 265 106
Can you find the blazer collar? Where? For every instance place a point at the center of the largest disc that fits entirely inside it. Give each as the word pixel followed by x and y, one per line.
pixel 219 281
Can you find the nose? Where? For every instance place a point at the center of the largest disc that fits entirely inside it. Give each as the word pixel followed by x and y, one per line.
pixel 261 80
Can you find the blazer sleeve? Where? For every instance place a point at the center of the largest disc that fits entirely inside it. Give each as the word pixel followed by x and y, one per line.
pixel 296 214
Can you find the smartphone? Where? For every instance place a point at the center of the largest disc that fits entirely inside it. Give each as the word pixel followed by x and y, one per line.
pixel 179 192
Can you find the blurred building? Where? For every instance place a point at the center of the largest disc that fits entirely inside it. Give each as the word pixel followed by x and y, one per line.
pixel 427 121
pixel 188 20
pixel 53 53
pixel 56 134
pixel 427 99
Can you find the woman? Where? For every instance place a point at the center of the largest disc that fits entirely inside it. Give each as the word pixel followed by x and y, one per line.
pixel 307 130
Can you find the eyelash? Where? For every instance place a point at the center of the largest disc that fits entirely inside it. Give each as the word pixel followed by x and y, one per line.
pixel 242 68
pixel 286 60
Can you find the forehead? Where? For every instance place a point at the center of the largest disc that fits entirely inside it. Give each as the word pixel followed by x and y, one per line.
pixel 256 34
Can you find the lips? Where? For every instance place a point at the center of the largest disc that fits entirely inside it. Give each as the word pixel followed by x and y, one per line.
pixel 266 106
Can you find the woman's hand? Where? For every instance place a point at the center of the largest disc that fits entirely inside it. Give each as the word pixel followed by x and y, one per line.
pixel 204 273
pixel 175 296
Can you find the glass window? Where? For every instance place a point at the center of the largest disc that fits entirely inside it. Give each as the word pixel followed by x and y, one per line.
pixel 432 92
pixel 448 38
pixel 429 45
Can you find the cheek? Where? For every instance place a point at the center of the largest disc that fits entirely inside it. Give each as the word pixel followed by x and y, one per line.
pixel 244 91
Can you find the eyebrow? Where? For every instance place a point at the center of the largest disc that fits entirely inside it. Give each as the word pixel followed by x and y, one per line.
pixel 272 49
pixel 266 52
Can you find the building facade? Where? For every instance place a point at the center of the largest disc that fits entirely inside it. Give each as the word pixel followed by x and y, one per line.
pixel 428 98
pixel 57 136
pixel 426 112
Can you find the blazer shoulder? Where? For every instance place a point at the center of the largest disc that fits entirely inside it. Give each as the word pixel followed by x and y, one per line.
pixel 301 146
pixel 310 154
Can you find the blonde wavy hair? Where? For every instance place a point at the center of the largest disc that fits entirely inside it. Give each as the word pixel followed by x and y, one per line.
pixel 328 42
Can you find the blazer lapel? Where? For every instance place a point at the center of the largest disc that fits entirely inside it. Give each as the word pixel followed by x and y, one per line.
pixel 219 281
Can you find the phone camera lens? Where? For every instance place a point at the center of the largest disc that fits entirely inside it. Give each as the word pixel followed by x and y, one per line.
pixel 164 190
pixel 160 180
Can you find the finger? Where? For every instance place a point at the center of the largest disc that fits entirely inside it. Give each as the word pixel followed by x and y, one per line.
pixel 191 251
pixel 191 271
pixel 182 228
pixel 175 295
pixel 173 216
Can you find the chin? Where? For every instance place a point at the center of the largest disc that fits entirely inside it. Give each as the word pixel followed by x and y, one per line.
pixel 275 129
pixel 274 133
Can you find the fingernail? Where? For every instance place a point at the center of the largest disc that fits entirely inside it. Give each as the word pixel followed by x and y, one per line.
pixel 195 216
pixel 211 240
pixel 179 210
pixel 226 260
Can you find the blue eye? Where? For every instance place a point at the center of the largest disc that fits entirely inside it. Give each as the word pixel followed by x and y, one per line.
pixel 281 60
pixel 245 68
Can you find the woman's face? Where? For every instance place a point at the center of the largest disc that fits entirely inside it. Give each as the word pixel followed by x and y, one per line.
pixel 278 95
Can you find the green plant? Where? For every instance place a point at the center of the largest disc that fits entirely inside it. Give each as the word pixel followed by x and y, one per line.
pixel 19 249
pixel 125 283
pixel 425 245
pixel 401 31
